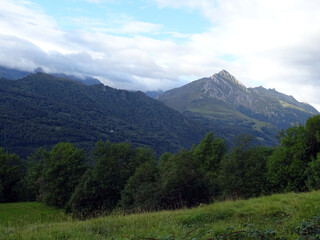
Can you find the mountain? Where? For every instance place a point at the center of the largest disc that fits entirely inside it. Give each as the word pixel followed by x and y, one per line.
pixel 42 110
pixel 227 107
pixel 14 74
pixel 154 94
pixel 87 80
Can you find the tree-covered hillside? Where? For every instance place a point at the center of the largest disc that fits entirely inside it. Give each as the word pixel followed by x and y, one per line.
pixel 121 177
pixel 42 110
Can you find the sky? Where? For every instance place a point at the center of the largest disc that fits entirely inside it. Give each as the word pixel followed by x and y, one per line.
pixel 162 44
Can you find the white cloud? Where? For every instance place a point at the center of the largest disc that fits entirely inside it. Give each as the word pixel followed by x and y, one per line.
pixel 271 43
pixel 118 59
pixel 24 20
pixel 132 27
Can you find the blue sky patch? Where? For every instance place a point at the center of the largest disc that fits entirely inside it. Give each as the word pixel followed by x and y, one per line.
pixel 110 15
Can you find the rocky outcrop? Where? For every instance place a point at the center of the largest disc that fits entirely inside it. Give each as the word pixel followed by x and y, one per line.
pixel 222 99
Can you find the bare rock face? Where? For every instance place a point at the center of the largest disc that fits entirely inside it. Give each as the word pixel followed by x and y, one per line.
pixel 224 99
pixel 265 104
pixel 225 87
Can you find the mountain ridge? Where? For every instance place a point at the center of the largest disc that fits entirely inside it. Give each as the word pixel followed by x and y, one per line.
pixel 42 110
pixel 15 74
pixel 219 103
pixel 222 98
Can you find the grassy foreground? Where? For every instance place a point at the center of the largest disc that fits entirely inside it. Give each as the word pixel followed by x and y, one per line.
pixel 282 213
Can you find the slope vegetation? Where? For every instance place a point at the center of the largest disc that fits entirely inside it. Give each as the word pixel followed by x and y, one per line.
pixel 283 216
pixel 42 110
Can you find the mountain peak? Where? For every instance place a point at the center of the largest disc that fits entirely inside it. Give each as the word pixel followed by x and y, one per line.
pixel 39 70
pixel 225 76
pixel 224 72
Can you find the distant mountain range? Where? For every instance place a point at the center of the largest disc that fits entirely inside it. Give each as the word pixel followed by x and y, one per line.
pixel 15 74
pixel 42 110
pixel 227 107
pixel 154 94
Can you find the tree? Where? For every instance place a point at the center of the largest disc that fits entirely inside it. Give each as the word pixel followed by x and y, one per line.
pixel 142 190
pixel 209 153
pixel 83 202
pixel 182 182
pixel 242 173
pixel 100 189
pixel 313 174
pixel 287 164
pixel 312 128
pixel 63 169
pixel 12 170
pixel 35 167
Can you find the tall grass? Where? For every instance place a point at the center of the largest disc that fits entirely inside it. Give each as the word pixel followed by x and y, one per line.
pixel 282 212
pixel 17 214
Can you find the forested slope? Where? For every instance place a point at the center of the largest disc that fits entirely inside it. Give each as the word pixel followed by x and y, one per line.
pixel 42 110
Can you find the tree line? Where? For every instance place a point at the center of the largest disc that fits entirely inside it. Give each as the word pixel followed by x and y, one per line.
pixel 119 176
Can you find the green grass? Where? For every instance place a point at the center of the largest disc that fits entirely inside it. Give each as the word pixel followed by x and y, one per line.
pixel 216 109
pixel 288 105
pixel 282 212
pixel 17 214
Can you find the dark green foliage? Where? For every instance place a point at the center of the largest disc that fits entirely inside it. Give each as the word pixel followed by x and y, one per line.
pixel 312 129
pixel 131 179
pixel 243 171
pixel 163 160
pixel 209 154
pixel 62 171
pixel 186 178
pixel 41 111
pixel 83 202
pixel 12 171
pixel 289 161
pixel 294 165
pixel 309 229
pixel 100 189
pixel 182 181
pixel 142 191
pixel 313 174
pixel 35 167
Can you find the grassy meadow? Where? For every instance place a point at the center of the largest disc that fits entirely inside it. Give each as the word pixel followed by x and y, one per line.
pixel 282 213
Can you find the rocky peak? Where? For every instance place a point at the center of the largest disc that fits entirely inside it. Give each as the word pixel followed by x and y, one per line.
pixel 225 87
pixel 226 76
pixel 258 104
